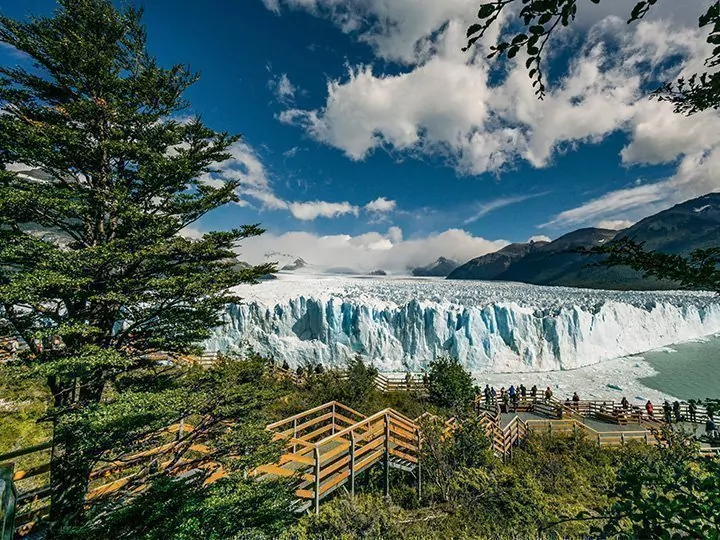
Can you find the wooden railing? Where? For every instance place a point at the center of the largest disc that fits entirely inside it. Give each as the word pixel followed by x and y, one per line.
pixel 603 438
pixel 327 448
pixel 32 468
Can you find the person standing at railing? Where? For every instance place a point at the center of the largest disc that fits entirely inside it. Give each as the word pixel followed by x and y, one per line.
pixel 511 392
pixel 533 392
pixel 576 400
pixel 523 391
pixel 505 400
pixel 692 411
pixel 285 365
pixel 515 401
pixel 711 429
pixel 649 409
pixel 676 411
pixel 487 395
pixel 548 395
pixel 667 412
pixel 625 404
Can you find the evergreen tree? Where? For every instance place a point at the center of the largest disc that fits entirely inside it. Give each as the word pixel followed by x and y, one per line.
pixel 94 273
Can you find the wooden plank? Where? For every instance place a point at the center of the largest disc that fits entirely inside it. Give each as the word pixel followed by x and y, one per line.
pixel 402 432
pixel 29 473
pixel 334 467
pixel 304 493
pixel 309 436
pixel 371 459
pixel 339 477
pixel 369 446
pixel 403 443
pixel 25 451
pixel 403 455
pixel 340 449
pixel 285 458
pixel 350 410
pixel 345 419
pixel 300 415
pixel 280 471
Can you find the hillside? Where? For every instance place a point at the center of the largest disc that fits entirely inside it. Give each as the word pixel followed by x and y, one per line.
pixel 691 225
pixel 440 268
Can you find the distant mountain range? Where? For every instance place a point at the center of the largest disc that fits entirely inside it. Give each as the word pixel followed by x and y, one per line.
pixel 440 268
pixel 687 226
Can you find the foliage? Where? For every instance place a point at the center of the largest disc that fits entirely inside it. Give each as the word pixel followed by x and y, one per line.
pixel 669 492
pixel 541 18
pixel 445 452
pixel 185 510
pixel 345 518
pixel 94 274
pixel 23 404
pixel 450 385
pixel 698 270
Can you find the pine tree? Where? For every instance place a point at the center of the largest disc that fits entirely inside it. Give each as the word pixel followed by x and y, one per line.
pixel 94 273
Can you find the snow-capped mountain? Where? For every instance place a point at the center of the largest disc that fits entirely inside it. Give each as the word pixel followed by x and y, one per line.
pixel 440 268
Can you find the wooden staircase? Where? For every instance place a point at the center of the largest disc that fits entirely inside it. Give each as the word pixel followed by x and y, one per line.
pixel 327 447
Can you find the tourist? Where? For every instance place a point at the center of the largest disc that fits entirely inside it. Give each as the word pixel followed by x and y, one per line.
pixel 493 394
pixel 515 401
pixel 486 392
pixel 692 411
pixel 548 395
pixel 505 401
pixel 319 369
pixel 576 400
pixel 676 411
pixel 511 391
pixel 533 392
pixel 667 412
pixel 523 391
pixel 649 409
pixel 625 404
pixel 711 429
pixel 300 371
pixel 286 366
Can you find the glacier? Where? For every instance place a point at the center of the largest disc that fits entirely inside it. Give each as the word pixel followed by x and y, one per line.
pixel 491 327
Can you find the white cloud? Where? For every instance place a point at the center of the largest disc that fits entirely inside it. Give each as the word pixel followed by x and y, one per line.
pixel 381 205
pixel 539 238
pixel 445 103
pixel 486 207
pixel 370 251
pixel 614 224
pixel 308 211
pixel 697 174
pixel 284 90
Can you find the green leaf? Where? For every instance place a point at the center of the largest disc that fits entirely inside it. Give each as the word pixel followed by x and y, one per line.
pixel 473 29
pixel 486 10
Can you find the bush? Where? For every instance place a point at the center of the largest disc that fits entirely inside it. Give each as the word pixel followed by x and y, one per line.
pixel 450 385
pixel 360 518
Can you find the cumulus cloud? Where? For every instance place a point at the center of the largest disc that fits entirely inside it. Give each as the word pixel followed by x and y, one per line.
pixel 446 103
pixel 308 211
pixel 539 238
pixel 614 224
pixel 380 205
pixel 370 251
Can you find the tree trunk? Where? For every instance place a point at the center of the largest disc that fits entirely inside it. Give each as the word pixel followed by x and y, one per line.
pixel 69 480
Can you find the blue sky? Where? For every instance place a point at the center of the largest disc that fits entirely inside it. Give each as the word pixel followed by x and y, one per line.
pixel 370 139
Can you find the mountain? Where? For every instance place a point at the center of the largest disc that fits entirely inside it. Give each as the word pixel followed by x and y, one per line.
pixel 493 264
pixel 440 268
pixel 297 264
pixel 681 229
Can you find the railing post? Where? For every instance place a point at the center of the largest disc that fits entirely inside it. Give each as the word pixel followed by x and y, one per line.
pixel 352 463
pixel 333 418
pixel 622 439
pixel 294 434
pixel 599 443
pixel 316 495
pixel 8 499
pixel 387 455
pixel 419 465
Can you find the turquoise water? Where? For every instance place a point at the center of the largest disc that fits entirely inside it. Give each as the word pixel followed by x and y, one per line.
pixel 692 372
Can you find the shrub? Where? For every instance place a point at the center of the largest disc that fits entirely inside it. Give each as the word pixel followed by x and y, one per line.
pixel 450 385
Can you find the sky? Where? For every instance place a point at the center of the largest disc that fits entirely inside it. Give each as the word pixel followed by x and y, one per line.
pixel 371 140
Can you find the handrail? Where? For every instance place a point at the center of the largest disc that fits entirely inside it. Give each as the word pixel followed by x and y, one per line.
pixel 300 415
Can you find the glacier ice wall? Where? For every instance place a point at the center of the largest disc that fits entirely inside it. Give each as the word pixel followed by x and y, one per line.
pixel 486 334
